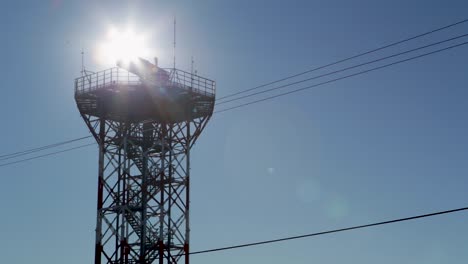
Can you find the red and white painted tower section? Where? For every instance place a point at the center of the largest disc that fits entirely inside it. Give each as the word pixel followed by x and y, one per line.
pixel 145 120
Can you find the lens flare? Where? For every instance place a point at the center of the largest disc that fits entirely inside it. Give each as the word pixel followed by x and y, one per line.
pixel 122 45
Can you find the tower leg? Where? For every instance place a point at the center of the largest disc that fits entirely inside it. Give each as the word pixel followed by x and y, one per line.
pixel 98 248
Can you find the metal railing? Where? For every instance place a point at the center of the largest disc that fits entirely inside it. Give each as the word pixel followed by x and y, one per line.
pixel 118 76
pixel 194 82
pixel 112 76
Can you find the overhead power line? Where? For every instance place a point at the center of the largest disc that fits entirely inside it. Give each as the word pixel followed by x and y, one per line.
pixel 346 59
pixel 265 99
pixel 275 96
pixel 45 155
pixel 29 151
pixel 344 69
pixel 284 239
pixel 341 78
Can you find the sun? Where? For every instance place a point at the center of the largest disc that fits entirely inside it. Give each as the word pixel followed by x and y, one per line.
pixel 122 45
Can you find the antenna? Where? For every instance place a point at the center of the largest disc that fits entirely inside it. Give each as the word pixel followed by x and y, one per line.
pixel 174 41
pixel 82 62
pixel 191 69
pixel 84 72
pixel 191 74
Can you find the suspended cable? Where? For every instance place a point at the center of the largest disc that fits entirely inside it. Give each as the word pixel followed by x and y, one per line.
pixel 344 69
pixel 341 78
pixel 393 221
pixel 45 155
pixel 29 151
pixel 283 94
pixel 26 152
pixel 347 59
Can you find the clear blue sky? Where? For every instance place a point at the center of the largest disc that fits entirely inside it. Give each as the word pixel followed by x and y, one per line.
pixel 388 144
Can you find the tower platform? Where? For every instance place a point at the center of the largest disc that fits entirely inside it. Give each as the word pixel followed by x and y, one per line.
pixel 119 95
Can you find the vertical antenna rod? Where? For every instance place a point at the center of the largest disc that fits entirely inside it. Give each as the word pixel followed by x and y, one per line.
pixel 191 68
pixel 191 74
pixel 174 41
pixel 82 62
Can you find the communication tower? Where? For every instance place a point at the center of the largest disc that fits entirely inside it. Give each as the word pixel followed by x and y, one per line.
pixel 145 120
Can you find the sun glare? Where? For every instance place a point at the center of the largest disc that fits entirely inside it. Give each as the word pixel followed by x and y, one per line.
pixel 122 45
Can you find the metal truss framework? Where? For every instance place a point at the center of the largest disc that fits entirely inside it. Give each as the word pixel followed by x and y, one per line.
pixel 143 190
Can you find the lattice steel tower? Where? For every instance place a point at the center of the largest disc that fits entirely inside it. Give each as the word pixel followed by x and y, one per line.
pixel 145 120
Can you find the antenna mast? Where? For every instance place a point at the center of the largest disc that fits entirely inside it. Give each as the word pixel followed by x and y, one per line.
pixel 82 62
pixel 174 41
pixel 191 68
